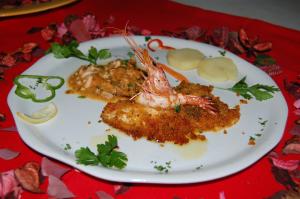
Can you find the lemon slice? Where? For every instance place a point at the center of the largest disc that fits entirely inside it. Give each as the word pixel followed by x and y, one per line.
pixel 43 115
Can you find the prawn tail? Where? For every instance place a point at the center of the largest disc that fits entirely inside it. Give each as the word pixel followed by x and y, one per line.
pixel 202 102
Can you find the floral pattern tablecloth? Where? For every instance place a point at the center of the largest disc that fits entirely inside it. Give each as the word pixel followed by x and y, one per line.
pixel 24 39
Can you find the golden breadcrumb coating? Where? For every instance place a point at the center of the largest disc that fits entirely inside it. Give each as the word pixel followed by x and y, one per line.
pixel 177 125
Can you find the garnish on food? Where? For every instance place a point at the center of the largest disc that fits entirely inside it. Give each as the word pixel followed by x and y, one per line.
pixel 71 50
pixel 259 91
pixel 67 147
pixel 163 168
pixel 185 58
pixel 41 116
pixel 251 141
pixel 107 156
pixel 218 69
pixel 160 45
pixel 222 52
pixel 28 85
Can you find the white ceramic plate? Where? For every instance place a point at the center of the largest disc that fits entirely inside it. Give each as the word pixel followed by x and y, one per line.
pixel 77 125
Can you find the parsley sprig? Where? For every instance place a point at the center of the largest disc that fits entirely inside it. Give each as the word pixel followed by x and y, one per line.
pixel 259 91
pixel 108 155
pixel 71 50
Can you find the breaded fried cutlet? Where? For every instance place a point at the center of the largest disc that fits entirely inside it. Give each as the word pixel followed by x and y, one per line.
pixel 178 126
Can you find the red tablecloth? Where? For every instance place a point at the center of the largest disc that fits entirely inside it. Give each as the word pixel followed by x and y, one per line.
pixel 256 181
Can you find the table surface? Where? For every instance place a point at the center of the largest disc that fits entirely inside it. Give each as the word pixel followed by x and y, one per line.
pixel 260 180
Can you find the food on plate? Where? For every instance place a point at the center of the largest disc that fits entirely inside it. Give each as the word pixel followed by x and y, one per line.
pixel 218 69
pixel 162 113
pixel 156 90
pixel 28 87
pixel 41 116
pixel 160 45
pixel 71 50
pixel 119 79
pixel 185 58
pixel 178 124
pixel 259 91
pixel 108 155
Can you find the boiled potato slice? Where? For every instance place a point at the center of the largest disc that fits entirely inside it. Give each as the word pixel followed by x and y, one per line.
pixel 218 69
pixel 185 58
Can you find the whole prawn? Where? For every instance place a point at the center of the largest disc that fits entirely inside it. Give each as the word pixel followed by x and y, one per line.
pixel 156 89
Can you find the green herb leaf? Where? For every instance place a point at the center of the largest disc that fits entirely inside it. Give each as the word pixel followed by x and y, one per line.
pixel 262 92
pixel 259 91
pixel 60 51
pixel 86 157
pixel 93 54
pixel 104 54
pixel 107 156
pixel 118 159
pixel 71 50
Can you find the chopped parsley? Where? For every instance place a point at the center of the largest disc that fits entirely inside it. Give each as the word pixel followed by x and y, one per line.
pixel 177 108
pixel 67 147
pixel 147 38
pixel 222 52
pixel 263 123
pixel 39 81
pixel 199 167
pixel 251 141
pixel 162 168
pixel 107 156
